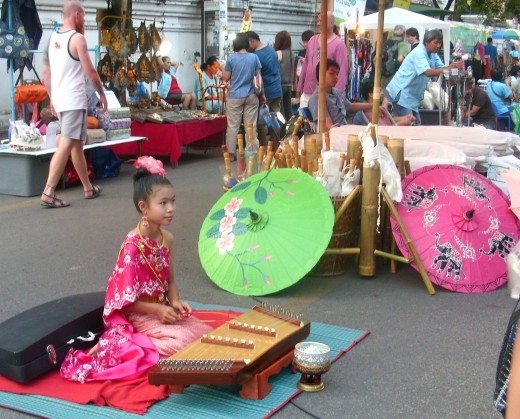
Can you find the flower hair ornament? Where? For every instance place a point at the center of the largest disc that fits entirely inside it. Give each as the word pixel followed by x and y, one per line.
pixel 154 166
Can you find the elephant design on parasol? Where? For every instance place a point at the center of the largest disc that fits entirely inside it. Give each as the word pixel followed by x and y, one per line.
pixel 501 243
pixel 419 197
pixel 448 259
pixel 478 189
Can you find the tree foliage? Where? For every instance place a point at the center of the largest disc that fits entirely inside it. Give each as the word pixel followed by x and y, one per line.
pixel 495 10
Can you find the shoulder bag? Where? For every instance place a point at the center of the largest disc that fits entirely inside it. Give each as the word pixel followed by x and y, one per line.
pixel 14 42
pixel 31 91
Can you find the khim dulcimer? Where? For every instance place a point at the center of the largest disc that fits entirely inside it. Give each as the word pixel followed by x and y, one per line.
pixel 245 351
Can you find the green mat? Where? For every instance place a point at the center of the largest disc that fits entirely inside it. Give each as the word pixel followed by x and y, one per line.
pixel 198 401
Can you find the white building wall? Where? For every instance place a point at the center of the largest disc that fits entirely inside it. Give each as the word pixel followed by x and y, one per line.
pixel 182 26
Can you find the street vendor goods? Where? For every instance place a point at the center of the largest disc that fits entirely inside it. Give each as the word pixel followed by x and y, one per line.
pixel 267 232
pixel 461 226
pixel 25 137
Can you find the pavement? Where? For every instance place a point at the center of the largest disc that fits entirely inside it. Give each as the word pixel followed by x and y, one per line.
pixel 426 356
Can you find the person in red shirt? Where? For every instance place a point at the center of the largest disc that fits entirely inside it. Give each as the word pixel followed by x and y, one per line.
pixel 175 95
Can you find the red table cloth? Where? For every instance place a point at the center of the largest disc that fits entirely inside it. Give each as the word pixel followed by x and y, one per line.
pixel 167 139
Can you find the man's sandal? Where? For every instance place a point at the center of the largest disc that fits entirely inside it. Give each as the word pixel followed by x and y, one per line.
pixel 55 202
pixel 95 192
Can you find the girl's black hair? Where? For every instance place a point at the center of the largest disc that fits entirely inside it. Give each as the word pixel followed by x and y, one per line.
pixel 144 181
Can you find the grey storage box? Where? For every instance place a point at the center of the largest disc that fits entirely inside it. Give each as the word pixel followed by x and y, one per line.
pixel 23 175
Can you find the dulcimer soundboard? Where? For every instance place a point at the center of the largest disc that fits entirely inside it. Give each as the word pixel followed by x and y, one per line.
pixel 245 351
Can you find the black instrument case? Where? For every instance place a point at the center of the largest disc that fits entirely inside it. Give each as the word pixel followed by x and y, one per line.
pixel 37 340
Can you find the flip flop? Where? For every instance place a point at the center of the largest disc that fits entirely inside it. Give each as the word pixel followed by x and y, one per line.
pixel 96 191
pixel 52 204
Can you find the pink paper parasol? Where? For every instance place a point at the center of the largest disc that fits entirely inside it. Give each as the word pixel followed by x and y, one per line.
pixel 461 226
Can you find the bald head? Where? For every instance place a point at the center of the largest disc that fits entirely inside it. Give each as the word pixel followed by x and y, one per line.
pixel 74 16
pixel 71 7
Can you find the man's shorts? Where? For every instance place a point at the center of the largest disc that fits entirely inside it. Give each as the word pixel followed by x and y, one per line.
pixel 74 124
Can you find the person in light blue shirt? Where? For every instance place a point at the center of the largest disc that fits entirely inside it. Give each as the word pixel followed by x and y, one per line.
pixel 242 101
pixel 211 89
pixel 406 89
pixel 499 93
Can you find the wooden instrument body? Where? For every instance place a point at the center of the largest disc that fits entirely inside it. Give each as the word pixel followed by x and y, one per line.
pixel 233 359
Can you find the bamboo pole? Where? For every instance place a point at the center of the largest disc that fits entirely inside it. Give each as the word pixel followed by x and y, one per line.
pixel 409 244
pixel 322 88
pixel 379 56
pixel 369 213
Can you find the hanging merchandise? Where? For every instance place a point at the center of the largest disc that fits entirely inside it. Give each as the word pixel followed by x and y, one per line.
pixel 130 37
pixel 143 69
pixel 155 38
pixel 23 16
pixel 359 58
pixel 144 38
pixel 117 45
pixel 14 42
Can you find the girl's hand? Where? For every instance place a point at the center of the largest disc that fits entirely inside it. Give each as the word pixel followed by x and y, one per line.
pixel 167 314
pixel 181 307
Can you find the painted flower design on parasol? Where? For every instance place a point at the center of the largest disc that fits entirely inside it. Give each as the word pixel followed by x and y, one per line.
pixel 460 224
pixel 241 244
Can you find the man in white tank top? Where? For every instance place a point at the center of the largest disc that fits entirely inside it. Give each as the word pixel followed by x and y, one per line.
pixel 66 62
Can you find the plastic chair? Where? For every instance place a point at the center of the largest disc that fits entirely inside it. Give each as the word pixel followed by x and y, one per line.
pixel 502 120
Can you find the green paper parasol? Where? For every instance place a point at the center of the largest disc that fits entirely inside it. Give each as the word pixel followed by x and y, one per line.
pixel 267 232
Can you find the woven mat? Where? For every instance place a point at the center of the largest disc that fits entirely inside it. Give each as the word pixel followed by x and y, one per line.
pixel 198 401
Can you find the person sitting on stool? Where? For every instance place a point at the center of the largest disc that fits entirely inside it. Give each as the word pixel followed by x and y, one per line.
pixel 175 95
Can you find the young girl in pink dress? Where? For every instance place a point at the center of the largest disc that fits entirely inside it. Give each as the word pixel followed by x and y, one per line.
pixel 143 316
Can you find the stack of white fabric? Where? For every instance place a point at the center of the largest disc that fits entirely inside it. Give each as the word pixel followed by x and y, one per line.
pixel 437 144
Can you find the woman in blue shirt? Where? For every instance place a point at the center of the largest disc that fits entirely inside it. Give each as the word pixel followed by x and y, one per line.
pixel 242 102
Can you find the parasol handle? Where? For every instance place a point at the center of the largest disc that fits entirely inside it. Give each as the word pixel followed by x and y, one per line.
pixel 303 160
pixel 227 163
pixel 240 142
pixel 269 160
pixel 278 160
pixel 326 140
pixel 297 125
pixel 295 149
pixel 468 215
pixel 288 160
pixel 250 131
pixel 261 152
pixel 310 168
pixel 250 166
pixel 342 158
pixel 320 167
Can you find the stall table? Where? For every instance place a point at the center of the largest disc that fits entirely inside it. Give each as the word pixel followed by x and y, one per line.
pixel 24 173
pixel 168 139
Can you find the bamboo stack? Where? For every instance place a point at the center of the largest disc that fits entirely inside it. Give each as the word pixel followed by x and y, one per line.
pixel 286 155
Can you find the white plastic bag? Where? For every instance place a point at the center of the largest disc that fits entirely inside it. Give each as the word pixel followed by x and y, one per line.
pixel 378 153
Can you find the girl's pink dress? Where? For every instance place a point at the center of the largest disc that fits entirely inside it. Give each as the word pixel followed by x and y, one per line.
pixel 133 342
